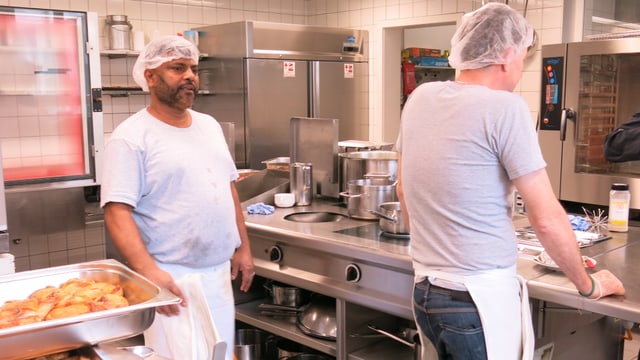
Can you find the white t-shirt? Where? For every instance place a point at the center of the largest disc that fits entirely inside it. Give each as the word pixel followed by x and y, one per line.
pixel 178 182
pixel 461 146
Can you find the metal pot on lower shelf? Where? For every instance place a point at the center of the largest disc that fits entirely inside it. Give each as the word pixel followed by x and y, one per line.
pixel 251 344
pixel 287 295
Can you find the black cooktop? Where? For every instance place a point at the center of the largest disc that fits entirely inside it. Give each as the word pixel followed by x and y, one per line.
pixel 372 232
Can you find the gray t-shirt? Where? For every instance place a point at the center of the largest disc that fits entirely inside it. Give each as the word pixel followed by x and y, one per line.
pixel 178 182
pixel 461 146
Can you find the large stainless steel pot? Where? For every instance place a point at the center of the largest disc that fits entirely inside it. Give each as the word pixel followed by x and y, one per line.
pixel 391 219
pixel 367 164
pixel 366 195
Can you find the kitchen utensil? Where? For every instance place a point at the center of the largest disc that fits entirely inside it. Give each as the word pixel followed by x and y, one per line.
pixel 318 318
pixel 415 344
pixel 391 219
pixel 287 295
pixel 365 195
pixel 285 308
pixel 302 183
pixel 251 344
pixel 309 357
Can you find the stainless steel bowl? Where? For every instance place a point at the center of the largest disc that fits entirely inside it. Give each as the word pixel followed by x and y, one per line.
pixel 318 318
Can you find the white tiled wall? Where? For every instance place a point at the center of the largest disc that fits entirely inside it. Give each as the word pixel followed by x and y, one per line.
pixel 172 16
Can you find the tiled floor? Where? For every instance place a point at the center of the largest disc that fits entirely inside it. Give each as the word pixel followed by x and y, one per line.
pixel 631 346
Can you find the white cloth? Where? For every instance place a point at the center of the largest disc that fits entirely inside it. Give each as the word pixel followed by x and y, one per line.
pixel 505 314
pixel 215 286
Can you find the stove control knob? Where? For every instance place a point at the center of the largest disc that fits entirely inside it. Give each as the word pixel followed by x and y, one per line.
pixel 275 254
pixel 352 273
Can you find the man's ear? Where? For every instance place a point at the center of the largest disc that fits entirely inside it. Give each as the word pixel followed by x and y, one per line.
pixel 149 75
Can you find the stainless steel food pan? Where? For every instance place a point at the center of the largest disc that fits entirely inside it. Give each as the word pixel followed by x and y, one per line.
pixel 53 336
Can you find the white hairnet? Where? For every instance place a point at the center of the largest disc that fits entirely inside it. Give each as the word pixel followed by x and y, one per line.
pixel 159 51
pixel 491 35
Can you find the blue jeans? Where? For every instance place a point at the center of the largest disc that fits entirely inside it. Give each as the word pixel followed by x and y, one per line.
pixel 451 322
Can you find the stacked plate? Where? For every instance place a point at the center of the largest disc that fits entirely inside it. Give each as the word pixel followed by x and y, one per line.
pixel 7 265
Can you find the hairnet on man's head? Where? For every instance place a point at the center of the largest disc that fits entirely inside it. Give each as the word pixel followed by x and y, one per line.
pixel 491 35
pixel 159 51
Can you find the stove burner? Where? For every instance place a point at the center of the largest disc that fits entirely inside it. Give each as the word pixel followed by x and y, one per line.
pixel 372 232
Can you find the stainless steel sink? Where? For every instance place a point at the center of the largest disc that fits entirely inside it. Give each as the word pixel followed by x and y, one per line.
pixel 315 217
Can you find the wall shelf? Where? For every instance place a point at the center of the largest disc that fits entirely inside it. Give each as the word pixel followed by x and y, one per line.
pixel 122 91
pixel 119 53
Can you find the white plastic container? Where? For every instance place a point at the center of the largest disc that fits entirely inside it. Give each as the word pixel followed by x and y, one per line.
pixel 619 198
pixel 284 199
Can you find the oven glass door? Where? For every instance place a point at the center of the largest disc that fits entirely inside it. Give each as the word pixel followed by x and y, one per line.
pixel 605 100
pixel 602 87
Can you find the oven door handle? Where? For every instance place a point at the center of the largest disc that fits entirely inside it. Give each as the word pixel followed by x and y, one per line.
pixel 567 113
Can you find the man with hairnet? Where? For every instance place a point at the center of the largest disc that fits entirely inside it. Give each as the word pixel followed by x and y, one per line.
pixel 168 192
pixel 465 145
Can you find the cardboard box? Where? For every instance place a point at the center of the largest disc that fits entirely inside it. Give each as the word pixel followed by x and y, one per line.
pixel 430 61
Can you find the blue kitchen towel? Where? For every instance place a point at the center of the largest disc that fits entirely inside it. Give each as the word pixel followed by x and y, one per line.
pixel 579 223
pixel 261 209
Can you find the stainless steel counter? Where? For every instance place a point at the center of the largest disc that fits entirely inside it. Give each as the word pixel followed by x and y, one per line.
pixel 359 242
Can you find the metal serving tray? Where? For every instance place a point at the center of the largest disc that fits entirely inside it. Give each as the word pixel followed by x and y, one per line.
pixel 51 336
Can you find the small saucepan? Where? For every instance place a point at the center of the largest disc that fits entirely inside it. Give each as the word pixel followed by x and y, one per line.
pixel 287 295
pixel 391 220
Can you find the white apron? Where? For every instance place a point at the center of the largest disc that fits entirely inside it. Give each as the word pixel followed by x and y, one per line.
pixel 204 330
pixel 506 320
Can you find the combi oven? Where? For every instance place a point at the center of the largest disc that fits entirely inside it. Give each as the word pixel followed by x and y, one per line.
pixel 588 89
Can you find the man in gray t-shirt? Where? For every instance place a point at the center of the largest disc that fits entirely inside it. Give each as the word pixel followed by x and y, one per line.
pixel 464 146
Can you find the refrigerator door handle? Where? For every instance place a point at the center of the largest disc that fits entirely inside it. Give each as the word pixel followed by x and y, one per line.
pixel 314 89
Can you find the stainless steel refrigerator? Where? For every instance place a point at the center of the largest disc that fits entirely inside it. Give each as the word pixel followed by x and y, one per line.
pixel 259 75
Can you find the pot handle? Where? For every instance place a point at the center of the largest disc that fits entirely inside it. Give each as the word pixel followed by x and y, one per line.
pixel 394 337
pixel 347 195
pixel 378 176
pixel 393 219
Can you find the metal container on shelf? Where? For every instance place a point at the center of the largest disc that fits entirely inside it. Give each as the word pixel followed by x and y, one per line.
pixel 119 32
pixel 302 183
